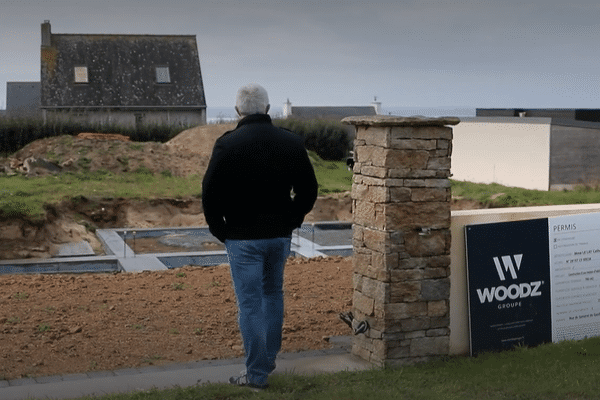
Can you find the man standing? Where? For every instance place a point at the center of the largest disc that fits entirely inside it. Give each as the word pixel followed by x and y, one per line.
pixel 258 187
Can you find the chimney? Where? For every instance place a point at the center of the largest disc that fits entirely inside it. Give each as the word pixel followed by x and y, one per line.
pixel 377 106
pixel 46 34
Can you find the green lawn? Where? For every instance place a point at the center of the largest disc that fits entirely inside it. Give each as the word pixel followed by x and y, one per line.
pixel 568 370
pixel 20 195
pixel 503 196
pixel 333 176
pixel 23 196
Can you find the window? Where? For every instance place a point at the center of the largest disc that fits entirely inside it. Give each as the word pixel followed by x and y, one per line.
pixel 81 75
pixel 162 75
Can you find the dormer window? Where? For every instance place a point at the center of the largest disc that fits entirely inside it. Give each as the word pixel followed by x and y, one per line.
pixel 162 75
pixel 81 74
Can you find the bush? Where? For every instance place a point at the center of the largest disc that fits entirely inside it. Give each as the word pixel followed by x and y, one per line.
pixel 329 139
pixel 15 133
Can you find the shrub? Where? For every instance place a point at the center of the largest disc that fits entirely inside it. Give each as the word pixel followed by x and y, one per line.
pixel 329 139
pixel 15 133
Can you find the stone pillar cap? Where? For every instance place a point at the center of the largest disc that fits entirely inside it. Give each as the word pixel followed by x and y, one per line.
pixel 391 120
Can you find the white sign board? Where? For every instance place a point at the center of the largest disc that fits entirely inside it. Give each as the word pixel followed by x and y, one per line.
pixel 575 276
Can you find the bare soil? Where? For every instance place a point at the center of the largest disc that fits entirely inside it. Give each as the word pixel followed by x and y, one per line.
pixel 59 324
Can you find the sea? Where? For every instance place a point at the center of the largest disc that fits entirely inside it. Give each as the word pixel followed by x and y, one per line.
pixel 227 114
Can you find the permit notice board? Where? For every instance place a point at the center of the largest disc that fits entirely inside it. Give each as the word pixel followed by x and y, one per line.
pixel 533 281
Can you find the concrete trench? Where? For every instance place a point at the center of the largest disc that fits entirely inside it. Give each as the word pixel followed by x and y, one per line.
pixel 319 239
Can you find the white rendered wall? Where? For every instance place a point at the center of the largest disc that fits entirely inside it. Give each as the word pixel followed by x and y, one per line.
pixel 510 151
pixel 459 309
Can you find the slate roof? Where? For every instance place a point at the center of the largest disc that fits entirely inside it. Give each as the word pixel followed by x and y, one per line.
pixel 121 71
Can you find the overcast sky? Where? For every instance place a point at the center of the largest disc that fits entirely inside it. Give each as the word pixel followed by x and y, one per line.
pixel 421 53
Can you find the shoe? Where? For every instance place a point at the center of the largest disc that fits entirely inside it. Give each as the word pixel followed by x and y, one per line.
pixel 347 318
pixel 361 327
pixel 242 380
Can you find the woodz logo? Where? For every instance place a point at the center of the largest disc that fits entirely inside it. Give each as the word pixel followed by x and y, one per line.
pixel 509 265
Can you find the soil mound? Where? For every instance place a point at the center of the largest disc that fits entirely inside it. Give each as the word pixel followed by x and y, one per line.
pixel 186 154
pixel 199 140
pixel 103 136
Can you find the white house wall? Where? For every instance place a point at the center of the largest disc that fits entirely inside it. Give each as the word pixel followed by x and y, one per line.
pixel 509 151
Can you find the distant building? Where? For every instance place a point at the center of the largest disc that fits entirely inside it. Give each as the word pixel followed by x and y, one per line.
pixel 542 149
pixel 125 80
pixel 329 112
pixel 569 114
pixel 23 99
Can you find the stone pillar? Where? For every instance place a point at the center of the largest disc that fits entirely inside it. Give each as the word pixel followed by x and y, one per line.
pixel 401 205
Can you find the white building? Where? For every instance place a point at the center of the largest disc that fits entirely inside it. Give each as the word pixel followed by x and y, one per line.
pixel 541 152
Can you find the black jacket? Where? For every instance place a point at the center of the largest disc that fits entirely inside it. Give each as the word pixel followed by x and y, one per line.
pixel 246 192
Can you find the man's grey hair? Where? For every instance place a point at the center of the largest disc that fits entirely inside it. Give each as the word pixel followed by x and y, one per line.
pixel 252 99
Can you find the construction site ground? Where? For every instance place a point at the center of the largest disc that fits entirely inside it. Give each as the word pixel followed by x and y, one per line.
pixel 58 324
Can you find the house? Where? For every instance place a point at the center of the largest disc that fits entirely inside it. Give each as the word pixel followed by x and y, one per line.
pixel 125 80
pixel 332 113
pixel 329 112
pixel 542 149
pixel 23 99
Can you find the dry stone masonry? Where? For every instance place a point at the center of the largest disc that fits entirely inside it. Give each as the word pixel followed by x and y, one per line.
pixel 401 205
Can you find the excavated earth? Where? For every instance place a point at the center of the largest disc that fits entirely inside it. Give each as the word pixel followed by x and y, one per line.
pixel 70 323
pixel 60 324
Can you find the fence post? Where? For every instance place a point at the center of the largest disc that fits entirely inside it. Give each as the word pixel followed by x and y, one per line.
pixel 401 210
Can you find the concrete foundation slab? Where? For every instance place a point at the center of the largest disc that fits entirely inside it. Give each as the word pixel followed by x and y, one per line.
pixel 320 239
pixel 60 265
pixel 141 263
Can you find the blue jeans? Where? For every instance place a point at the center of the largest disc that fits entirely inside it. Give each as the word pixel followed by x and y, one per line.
pixel 257 272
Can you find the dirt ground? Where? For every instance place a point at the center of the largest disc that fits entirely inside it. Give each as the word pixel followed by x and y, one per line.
pixel 59 324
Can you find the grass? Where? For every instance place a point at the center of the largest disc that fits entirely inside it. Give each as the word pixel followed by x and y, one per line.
pixel 497 195
pixel 332 176
pixel 22 196
pixel 214 283
pixel 26 196
pixel 177 286
pixel 567 370
pixel 13 320
pixel 21 296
